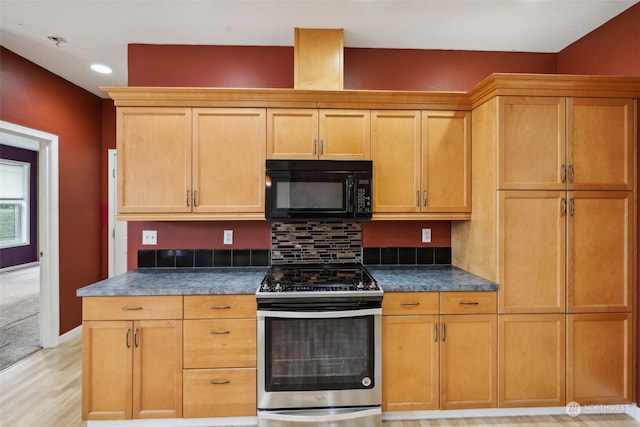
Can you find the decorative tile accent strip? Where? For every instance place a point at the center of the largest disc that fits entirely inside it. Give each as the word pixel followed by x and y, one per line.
pixel 203 258
pixel 316 242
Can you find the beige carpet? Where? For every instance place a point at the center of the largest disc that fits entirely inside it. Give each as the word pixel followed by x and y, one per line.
pixel 19 315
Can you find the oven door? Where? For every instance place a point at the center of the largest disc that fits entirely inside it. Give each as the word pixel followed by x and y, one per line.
pixel 319 359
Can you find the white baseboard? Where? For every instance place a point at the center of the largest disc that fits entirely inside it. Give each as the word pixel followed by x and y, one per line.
pixel 631 409
pixel 70 334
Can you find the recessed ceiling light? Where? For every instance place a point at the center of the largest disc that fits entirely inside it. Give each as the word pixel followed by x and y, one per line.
pixel 98 68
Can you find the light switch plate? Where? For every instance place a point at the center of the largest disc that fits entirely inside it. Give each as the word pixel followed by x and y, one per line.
pixel 228 237
pixel 149 237
pixel 426 235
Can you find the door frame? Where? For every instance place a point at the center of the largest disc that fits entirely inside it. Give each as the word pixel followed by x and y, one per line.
pixel 117 232
pixel 46 145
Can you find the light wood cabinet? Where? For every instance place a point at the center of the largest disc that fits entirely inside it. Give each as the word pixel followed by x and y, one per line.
pixel 600 251
pixel 318 134
pixel 532 359
pixel 176 162
pixel 123 377
pixel 426 363
pixel 154 159
pixel 599 358
pixel 219 356
pixel 422 161
pixel 318 58
pixel 553 143
pixel 554 222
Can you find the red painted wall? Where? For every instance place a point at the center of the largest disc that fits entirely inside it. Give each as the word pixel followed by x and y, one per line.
pixel 38 99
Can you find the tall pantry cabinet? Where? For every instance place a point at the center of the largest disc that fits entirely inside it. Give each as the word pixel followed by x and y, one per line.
pixel 553 223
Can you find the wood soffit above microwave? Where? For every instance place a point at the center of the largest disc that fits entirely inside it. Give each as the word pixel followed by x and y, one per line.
pixel 495 84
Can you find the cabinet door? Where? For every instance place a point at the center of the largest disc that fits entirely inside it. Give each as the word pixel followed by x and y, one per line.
pixel 409 363
pixel 229 159
pixel 531 354
pixel 292 134
pixel 345 135
pixel 600 251
pixel 107 366
pixel 154 159
pixel 531 253
pixel 600 142
pixel 446 161
pixel 468 361
pixel 157 373
pixel 395 151
pixel 531 143
pixel 599 358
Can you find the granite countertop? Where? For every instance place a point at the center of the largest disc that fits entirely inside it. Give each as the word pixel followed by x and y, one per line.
pixel 219 281
pixel 200 281
pixel 428 278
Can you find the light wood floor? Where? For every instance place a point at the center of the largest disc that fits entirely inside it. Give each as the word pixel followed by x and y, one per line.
pixel 45 391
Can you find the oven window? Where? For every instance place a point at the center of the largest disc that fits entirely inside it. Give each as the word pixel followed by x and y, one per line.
pixel 310 195
pixel 319 354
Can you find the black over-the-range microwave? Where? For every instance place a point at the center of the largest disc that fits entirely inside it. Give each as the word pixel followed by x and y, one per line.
pixel 309 190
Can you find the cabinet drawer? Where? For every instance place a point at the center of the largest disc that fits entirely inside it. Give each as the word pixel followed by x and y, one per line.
pixel 219 393
pixel 219 306
pixel 407 303
pixel 467 302
pixel 224 343
pixel 132 307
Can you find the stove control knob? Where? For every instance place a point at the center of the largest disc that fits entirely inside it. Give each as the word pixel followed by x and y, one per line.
pixel 360 285
pixel 373 285
pixel 278 287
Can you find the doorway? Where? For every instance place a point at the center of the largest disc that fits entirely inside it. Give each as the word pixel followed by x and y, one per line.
pixel 117 229
pixel 46 145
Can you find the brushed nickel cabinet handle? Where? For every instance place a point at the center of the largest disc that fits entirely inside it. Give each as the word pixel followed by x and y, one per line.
pixel 322 147
pixel 186 197
pixel 437 333
pixel 469 303
pixel 572 207
pixel 315 147
pixel 409 303
pixel 135 337
pixel 563 173
pixel 219 332
pixel 444 332
pixel 424 198
pixel 572 174
pixel 126 308
pixel 220 307
pixel 195 198
pixel 216 382
pixel 126 338
pixel 563 209
pixel 418 198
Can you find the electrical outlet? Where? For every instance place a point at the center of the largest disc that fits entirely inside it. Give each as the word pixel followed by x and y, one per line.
pixel 228 237
pixel 149 237
pixel 426 235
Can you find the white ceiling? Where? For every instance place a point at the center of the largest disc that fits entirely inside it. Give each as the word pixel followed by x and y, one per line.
pixel 100 30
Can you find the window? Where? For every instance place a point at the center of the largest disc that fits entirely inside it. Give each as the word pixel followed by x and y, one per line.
pixel 14 203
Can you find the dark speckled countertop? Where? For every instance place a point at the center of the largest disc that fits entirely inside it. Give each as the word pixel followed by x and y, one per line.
pixel 204 281
pixel 428 278
pixel 200 281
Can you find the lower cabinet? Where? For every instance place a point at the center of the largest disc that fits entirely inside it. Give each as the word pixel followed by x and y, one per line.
pixel 531 351
pixel 123 377
pixel 599 358
pixel 219 356
pixel 432 361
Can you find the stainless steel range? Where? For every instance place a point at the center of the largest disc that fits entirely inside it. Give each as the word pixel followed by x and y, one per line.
pixel 319 353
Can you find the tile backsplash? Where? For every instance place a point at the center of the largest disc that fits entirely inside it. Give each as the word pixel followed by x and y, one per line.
pixel 316 242
pixel 196 258
pixel 406 256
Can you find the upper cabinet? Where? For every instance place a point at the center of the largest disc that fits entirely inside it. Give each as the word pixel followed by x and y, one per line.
pixel 318 56
pixel 556 143
pixel 318 134
pixel 177 162
pixel 154 160
pixel 421 162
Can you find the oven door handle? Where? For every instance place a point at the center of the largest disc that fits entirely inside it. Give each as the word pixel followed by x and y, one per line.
pixel 317 419
pixel 318 314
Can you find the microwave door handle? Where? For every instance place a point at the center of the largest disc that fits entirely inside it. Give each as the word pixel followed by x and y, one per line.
pixel 350 191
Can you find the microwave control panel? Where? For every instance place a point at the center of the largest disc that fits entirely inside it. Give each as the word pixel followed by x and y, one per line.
pixel 363 194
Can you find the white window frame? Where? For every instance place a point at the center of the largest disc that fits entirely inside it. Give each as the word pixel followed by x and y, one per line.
pixel 23 238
